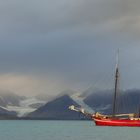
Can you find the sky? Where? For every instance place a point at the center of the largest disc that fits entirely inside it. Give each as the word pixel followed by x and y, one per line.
pixel 47 46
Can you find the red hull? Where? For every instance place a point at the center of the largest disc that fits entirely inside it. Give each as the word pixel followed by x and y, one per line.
pixel 116 122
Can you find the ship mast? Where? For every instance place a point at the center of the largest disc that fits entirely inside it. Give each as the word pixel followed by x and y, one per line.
pixel 116 86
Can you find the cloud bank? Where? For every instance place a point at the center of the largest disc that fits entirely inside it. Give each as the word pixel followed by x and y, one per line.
pixel 47 46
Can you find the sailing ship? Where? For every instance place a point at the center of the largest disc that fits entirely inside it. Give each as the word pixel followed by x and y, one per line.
pixel 115 119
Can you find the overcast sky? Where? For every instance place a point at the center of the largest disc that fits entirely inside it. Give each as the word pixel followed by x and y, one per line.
pixel 47 46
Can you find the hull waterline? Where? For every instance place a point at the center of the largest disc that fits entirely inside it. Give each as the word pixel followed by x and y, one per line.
pixel 116 122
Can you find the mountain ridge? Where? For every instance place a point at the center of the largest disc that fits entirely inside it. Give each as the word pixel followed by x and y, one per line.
pixel 57 110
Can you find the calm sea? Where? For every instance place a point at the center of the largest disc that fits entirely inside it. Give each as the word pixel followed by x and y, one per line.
pixel 64 130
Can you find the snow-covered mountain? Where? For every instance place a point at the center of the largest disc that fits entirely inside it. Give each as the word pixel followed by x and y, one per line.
pixel 26 106
pixel 101 101
pixel 11 103
pixel 57 109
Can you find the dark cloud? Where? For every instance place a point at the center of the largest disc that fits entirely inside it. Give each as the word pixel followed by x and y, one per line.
pixel 74 41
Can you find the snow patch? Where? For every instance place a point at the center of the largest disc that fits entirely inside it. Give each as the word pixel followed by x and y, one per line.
pixel 24 108
pixel 79 100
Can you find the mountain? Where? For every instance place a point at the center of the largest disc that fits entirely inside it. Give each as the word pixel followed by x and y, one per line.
pixel 57 110
pixel 12 104
pixel 127 102
pixel 28 105
pixel 19 107
pixel 8 98
pixel 4 112
pixel 100 101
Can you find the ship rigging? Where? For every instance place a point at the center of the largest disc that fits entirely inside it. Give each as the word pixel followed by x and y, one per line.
pixel 114 119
